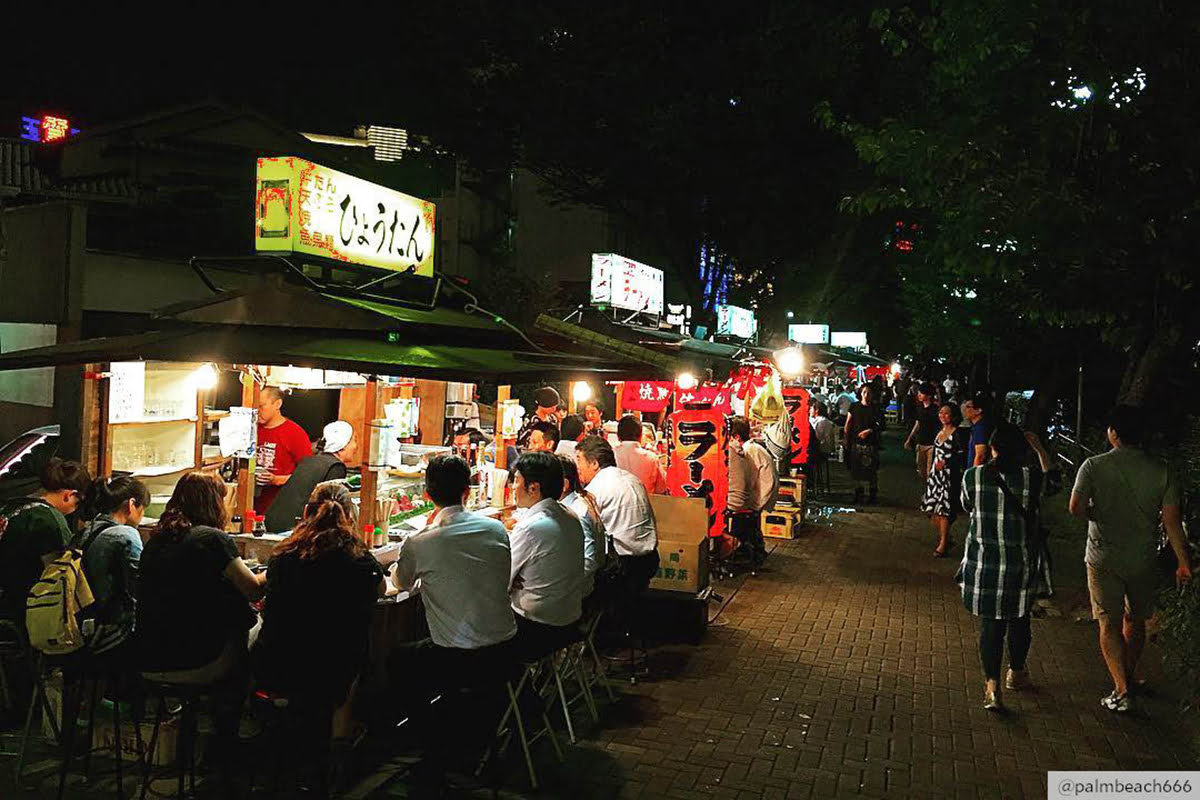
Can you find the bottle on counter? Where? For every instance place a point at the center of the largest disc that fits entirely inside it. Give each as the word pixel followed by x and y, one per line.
pixel 368 535
pixel 380 538
pixel 260 524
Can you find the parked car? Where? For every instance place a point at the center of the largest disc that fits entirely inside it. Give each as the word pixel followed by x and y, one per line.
pixel 22 459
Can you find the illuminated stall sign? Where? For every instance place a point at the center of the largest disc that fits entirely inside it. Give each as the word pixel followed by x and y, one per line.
pixel 698 466
pixel 46 129
pixel 646 396
pixel 854 340
pixel 808 334
pixel 302 207
pixel 796 399
pixel 623 283
pixel 737 322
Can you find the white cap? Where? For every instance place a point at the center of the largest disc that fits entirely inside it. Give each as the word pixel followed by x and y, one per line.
pixel 337 435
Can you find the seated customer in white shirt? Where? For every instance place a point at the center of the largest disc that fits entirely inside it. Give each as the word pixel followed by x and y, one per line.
pixel 461 566
pixel 753 484
pixel 624 510
pixel 632 457
pixel 547 559
pixel 583 505
pixel 574 428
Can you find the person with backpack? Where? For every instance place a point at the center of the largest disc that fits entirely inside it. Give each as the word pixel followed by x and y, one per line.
pixel 998 575
pixel 34 529
pixel 112 548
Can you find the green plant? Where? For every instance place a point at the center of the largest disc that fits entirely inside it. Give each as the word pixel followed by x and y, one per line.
pixel 1179 636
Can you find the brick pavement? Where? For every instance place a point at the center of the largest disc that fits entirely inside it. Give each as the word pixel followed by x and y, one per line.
pixel 848 668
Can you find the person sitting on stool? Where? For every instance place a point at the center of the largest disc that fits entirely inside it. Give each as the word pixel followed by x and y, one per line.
pixel 547 559
pixel 753 484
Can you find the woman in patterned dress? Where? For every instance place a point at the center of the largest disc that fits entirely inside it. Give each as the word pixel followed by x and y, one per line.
pixel 998 572
pixel 942 489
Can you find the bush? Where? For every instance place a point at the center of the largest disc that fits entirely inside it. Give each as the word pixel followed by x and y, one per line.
pixel 1179 635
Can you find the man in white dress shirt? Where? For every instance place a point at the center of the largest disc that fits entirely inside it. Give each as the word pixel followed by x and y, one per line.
pixel 547 558
pixel 583 505
pixel 632 457
pixel 753 485
pixel 624 510
pixel 461 566
pixel 574 428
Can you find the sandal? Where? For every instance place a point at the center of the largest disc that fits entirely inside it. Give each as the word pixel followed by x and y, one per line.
pixel 941 553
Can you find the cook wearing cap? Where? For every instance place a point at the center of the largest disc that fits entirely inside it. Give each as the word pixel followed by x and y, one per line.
pixel 337 449
pixel 546 400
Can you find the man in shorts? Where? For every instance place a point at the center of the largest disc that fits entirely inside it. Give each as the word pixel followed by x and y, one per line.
pixel 1122 494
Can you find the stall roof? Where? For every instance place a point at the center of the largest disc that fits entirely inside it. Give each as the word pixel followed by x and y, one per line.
pixel 654 361
pixel 319 349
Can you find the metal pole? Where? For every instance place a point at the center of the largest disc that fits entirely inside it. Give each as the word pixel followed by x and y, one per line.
pixel 1079 408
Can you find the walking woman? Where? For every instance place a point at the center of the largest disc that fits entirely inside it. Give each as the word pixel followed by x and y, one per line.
pixel 943 487
pixel 862 445
pixel 998 573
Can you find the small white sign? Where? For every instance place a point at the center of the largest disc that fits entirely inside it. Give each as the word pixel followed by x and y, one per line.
pixel 736 321
pixel 624 283
pixel 808 334
pixel 237 432
pixel 127 391
pixel 855 340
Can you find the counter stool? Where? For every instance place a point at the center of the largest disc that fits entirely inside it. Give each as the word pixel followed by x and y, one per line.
pixel 527 683
pixel 188 695
pixel 287 721
pixel 95 675
pixel 12 648
pixel 587 649
pixel 40 663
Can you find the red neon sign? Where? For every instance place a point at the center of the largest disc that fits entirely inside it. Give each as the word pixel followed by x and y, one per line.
pixel 55 128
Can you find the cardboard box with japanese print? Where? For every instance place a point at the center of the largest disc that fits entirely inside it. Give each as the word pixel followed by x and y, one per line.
pixel 682 524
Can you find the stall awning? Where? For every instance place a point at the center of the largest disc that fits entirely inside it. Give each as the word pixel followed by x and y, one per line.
pixel 611 346
pixel 317 349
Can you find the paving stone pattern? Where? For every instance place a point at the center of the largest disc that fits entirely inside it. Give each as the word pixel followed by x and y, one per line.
pixel 848 668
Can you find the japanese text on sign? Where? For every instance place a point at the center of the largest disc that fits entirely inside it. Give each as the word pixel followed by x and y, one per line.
pixel 624 283
pixel 698 467
pixel 303 207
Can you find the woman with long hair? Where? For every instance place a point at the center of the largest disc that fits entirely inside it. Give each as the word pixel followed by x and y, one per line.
pixel 948 461
pixel 998 575
pixel 863 424
pixel 112 549
pixel 193 601
pixel 322 585
pixel 577 499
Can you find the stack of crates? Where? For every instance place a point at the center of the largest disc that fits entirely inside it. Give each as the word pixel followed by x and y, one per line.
pixel 785 521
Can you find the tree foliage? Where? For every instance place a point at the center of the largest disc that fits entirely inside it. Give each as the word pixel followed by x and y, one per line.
pixel 1049 148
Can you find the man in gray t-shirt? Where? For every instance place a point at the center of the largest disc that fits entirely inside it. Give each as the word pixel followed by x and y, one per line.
pixel 1122 494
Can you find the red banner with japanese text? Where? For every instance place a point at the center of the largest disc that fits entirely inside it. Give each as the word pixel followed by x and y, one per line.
pixel 646 396
pixel 744 384
pixel 796 398
pixel 715 393
pixel 698 466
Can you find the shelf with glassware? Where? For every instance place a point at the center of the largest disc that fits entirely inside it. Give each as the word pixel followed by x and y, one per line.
pixel 154 419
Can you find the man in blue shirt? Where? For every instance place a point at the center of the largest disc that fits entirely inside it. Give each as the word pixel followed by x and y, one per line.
pixel 978 411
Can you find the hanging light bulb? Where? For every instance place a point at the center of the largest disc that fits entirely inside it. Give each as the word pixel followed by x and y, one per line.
pixel 581 391
pixel 206 376
pixel 686 381
pixel 789 361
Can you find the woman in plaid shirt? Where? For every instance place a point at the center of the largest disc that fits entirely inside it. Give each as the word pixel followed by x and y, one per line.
pixel 999 570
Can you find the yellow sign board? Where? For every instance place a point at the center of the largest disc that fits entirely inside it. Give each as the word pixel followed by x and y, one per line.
pixel 302 207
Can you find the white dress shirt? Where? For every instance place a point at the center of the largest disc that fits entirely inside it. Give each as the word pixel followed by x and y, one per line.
pixel 766 474
pixel 826 435
pixel 625 511
pixel 547 565
pixel 593 540
pixel 565 448
pixel 462 563
pixel 632 457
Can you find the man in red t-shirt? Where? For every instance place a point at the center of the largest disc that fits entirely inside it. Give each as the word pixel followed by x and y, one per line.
pixel 282 444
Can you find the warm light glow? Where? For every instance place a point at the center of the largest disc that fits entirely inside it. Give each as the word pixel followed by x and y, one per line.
pixel 896 368
pixel 789 361
pixel 582 392
pixel 205 377
pixel 686 381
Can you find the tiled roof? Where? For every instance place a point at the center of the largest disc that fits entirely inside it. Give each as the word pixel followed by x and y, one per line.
pixel 20 174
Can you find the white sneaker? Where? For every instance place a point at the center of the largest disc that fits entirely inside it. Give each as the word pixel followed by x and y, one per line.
pixel 1119 703
pixel 1017 680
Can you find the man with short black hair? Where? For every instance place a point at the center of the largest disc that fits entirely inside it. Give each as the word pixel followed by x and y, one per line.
pixel 925 429
pixel 573 430
pixel 463 562
pixel 753 484
pixel 977 411
pixel 546 401
pixel 282 445
pixel 1122 494
pixel 543 438
pixel 632 457
pixel 546 584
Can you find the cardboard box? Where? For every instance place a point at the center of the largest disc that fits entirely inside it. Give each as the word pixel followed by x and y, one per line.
pixel 779 524
pixel 682 524
pixel 164 748
pixel 791 493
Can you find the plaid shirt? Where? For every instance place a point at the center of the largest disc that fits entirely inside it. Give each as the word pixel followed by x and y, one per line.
pixel 998 571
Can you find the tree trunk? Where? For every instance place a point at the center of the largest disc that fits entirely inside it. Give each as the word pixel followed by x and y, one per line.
pixel 1146 371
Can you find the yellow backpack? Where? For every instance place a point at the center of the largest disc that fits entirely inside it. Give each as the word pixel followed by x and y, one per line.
pixel 53 606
